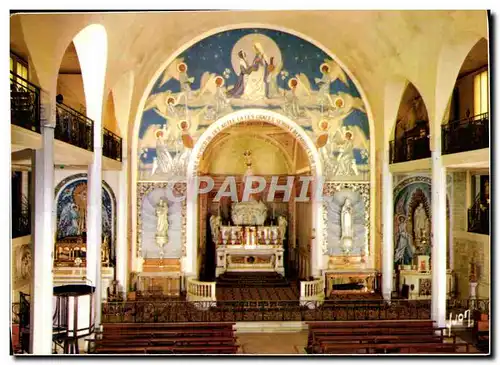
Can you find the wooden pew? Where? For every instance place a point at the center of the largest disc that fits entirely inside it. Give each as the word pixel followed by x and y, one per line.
pixel 399 347
pixel 167 338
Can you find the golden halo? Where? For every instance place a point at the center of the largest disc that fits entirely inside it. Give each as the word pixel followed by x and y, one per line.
pixel 171 100
pixel 323 65
pixel 183 125
pixel 179 67
pixel 339 102
pixel 219 81
pixel 324 125
pixel 292 83
pixel 159 133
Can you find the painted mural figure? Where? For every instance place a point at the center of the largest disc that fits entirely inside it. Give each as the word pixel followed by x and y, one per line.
pixel 256 87
pixel 163 160
pixel 185 80
pixel 239 88
pixel 292 107
pixel 346 163
pixel 346 224
pixel 404 249
pixel 68 221
pixel 324 82
pixel 420 222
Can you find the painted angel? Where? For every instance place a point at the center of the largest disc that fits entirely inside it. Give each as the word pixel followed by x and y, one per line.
pixel 272 83
pixel 330 71
pixel 164 104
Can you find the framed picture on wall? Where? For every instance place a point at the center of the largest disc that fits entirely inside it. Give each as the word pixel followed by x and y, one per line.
pixel 423 263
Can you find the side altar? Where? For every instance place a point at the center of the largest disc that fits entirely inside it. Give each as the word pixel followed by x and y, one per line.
pixel 248 245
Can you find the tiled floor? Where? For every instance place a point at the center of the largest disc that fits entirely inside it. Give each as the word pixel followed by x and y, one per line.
pixel 272 343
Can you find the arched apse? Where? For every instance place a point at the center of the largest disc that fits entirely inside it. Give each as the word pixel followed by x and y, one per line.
pixel 71 208
pixel 255 68
pixel 411 130
pixel 286 74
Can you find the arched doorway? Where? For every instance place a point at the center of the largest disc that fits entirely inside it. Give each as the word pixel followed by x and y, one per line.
pixel 306 168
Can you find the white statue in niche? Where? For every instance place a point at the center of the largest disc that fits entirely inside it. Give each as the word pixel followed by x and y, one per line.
pixel 162 222
pixel 421 223
pixel 346 225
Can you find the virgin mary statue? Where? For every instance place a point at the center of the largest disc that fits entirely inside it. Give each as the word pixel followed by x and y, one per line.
pixel 346 225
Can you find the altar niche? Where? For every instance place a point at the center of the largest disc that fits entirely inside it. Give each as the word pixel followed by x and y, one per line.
pixel 250 232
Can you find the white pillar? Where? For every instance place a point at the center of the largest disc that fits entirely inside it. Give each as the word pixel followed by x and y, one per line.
pixel 43 233
pixel 438 258
pixel 94 225
pixel 388 229
pixel 121 219
pixel 92 48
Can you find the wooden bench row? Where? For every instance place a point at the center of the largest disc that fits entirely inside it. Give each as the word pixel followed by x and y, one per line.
pixel 166 338
pixel 378 337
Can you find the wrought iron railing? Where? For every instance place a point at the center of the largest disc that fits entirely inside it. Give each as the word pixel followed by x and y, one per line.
pixel 112 145
pixel 168 310
pixel 24 103
pixel 330 310
pixel 24 322
pixel 409 148
pixel 21 219
pixel 466 134
pixel 74 128
pixel 479 218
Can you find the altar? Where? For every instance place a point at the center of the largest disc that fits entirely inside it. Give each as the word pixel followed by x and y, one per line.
pixel 249 245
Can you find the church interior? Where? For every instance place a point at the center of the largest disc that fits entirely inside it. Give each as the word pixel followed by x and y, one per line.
pixel 257 182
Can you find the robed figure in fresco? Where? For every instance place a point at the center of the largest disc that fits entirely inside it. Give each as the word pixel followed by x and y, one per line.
pixel 245 70
pixel 252 82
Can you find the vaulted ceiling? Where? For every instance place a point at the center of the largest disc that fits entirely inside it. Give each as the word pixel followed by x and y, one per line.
pixel 374 46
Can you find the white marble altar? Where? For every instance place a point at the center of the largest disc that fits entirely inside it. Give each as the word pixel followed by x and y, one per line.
pixel 421 282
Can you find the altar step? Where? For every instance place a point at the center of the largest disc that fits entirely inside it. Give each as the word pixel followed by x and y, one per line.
pixel 252 280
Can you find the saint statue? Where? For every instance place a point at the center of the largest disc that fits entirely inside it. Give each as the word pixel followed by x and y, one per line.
pixel 282 223
pixel 162 221
pixel 346 225
pixel 421 222
pixel 404 249
pixel 215 224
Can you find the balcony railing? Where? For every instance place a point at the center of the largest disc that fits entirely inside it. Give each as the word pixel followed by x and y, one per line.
pixel 21 219
pixel 74 128
pixel 24 103
pixel 466 134
pixel 112 145
pixel 409 149
pixel 479 218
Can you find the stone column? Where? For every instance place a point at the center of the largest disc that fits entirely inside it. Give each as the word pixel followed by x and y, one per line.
pixel 94 222
pixel 388 229
pixel 41 308
pixel 438 258
pixel 122 220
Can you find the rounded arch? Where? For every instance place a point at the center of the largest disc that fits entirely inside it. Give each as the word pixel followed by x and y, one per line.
pixel 450 61
pixel 135 127
pixel 288 160
pixel 246 115
pixel 106 188
pixel 190 263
